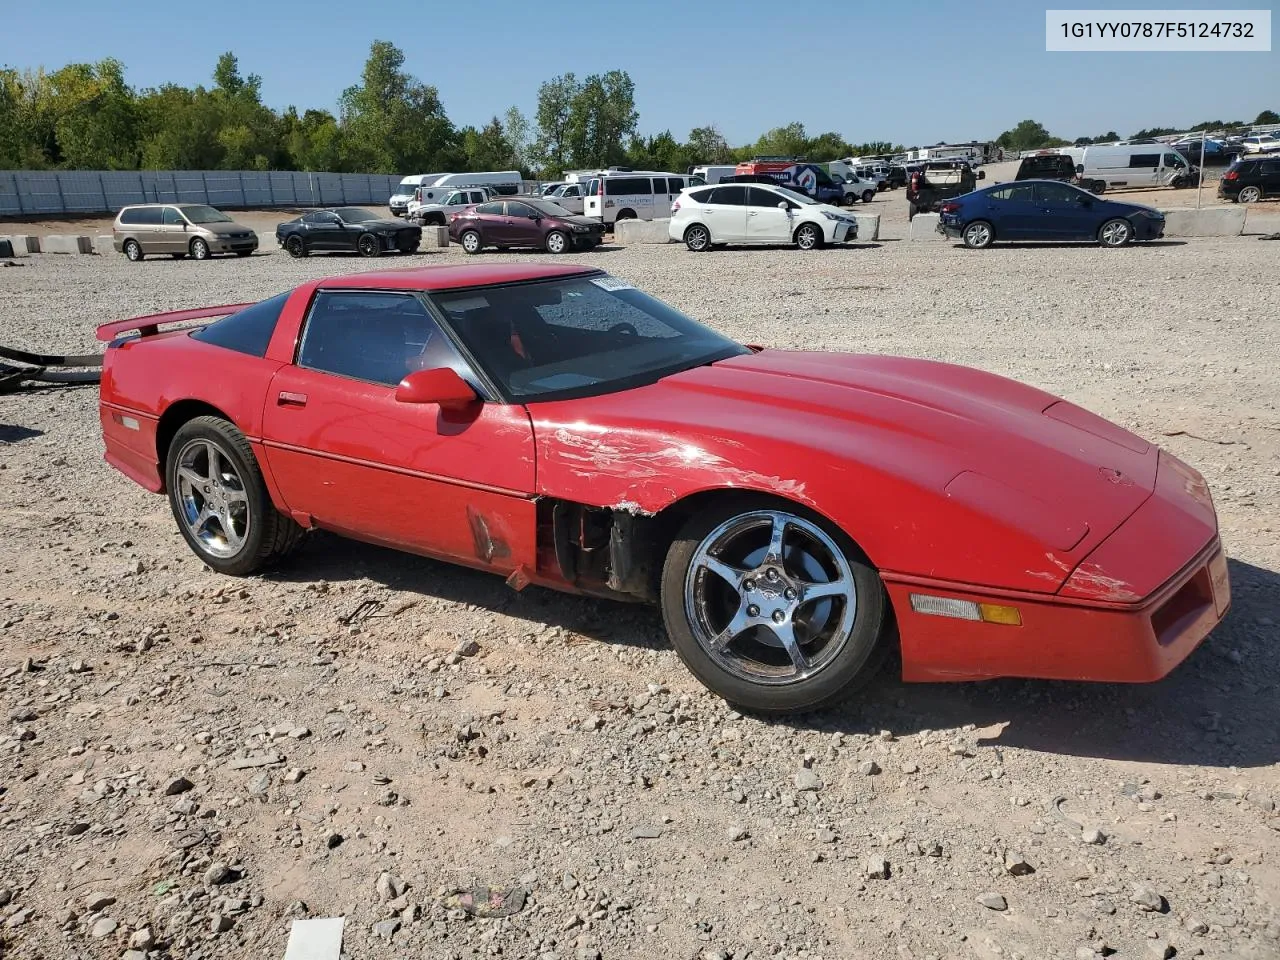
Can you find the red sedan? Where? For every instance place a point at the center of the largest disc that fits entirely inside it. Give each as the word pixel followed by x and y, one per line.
pixel 794 514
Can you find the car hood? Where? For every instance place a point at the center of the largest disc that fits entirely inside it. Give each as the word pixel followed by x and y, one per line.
pixel 225 229
pixel 387 224
pixel 580 220
pixel 924 443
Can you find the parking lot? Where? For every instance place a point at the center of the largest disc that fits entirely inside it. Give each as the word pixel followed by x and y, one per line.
pixel 573 756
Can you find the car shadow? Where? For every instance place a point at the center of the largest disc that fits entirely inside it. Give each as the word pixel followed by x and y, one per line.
pixel 1067 244
pixel 1216 710
pixel 12 433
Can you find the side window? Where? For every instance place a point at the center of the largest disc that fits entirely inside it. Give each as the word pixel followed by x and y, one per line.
pixel 734 196
pixel 627 186
pixel 701 196
pixel 1056 195
pixel 1269 168
pixel 248 331
pixel 519 210
pixel 675 184
pixel 763 198
pixel 493 209
pixel 1144 160
pixel 172 218
pixel 377 337
pixel 131 216
pixel 593 187
pixel 1023 192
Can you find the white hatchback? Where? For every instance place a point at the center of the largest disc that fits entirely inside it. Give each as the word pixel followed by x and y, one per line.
pixel 703 217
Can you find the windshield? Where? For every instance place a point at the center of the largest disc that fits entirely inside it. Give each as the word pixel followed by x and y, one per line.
pixel 199 213
pixel 355 215
pixel 549 208
pixel 578 336
pixel 796 197
pixel 406 188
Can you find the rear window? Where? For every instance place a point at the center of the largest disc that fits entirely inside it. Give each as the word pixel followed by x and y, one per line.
pixel 141 216
pixel 248 331
pixel 621 186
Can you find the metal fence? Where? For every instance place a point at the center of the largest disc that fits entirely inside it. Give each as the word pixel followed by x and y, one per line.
pixel 30 193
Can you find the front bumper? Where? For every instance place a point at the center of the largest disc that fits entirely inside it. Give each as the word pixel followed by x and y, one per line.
pixel 234 244
pixel 843 231
pixel 1133 610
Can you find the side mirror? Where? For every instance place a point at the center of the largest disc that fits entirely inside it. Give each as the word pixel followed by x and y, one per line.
pixel 782 205
pixel 439 385
pixel 1079 168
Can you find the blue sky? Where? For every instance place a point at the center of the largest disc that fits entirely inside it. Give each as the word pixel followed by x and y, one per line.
pixel 909 71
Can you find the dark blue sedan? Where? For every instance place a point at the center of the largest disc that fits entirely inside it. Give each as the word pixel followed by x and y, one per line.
pixel 1045 210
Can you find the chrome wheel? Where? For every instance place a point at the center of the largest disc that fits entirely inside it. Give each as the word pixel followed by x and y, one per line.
pixel 132 250
pixel 471 242
pixel 213 503
pixel 696 238
pixel 1115 233
pixel 770 598
pixel 199 249
pixel 1250 195
pixel 808 237
pixel 977 235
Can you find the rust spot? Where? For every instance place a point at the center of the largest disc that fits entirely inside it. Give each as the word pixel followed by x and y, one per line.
pixel 487 546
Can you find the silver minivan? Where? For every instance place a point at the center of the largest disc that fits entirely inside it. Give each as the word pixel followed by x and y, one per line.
pixel 180 230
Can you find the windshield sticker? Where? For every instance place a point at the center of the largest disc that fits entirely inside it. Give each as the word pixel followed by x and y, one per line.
pixel 611 283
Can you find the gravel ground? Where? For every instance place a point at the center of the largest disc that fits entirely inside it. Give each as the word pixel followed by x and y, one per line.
pixel 191 761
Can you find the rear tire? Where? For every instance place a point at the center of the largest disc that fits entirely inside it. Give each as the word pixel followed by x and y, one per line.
pixel 295 247
pixel 470 241
pixel 912 210
pixel 132 251
pixel 843 641
pixel 213 478
pixel 978 235
pixel 868 196
pixel 1249 195
pixel 697 238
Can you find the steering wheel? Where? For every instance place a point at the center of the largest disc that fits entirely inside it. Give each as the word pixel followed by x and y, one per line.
pixel 624 327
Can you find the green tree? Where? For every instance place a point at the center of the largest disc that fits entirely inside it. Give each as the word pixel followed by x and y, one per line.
pixel 554 118
pixel 517 128
pixel 788 141
pixel 487 148
pixel 661 152
pixel 874 148
pixel 180 129
pixel 1027 135
pixel 312 141
pixel 392 122
pixel 826 147
pixel 249 133
pixel 95 116
pixel 708 145
pixel 1267 117
pixel 27 137
pixel 602 114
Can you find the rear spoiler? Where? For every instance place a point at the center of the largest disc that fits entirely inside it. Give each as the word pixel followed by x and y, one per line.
pixel 149 325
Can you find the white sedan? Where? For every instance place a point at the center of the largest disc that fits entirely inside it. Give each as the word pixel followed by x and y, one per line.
pixel 1263 143
pixel 704 217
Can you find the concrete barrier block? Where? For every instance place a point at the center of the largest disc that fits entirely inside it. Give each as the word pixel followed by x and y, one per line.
pixel 23 244
pixel 434 238
pixel 924 226
pixel 1261 220
pixel 868 225
pixel 104 245
pixel 66 244
pixel 16 246
pixel 1208 222
pixel 642 231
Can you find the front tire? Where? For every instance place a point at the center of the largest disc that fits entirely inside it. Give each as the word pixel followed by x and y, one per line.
pixel 199 249
pixel 557 242
pixel 697 238
pixel 808 236
pixel 368 245
pixel 295 247
pixel 978 235
pixel 133 251
pixel 868 196
pixel 1115 233
pixel 1250 195
pixel 470 241
pixel 772 607
pixel 220 500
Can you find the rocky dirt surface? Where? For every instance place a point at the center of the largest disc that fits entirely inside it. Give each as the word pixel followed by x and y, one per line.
pixel 190 761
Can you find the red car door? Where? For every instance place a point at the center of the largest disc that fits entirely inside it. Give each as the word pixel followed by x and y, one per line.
pixel 348 457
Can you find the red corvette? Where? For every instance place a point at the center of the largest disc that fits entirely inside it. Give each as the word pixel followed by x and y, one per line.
pixel 794 514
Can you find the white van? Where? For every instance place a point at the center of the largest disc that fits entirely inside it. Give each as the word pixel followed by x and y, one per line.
pixel 504 182
pixel 1133 165
pixel 399 202
pixel 617 194
pixel 714 174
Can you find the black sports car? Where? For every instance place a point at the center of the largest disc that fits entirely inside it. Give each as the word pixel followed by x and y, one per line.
pixel 348 229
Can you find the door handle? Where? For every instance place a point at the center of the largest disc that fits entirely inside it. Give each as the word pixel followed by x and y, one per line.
pixel 288 399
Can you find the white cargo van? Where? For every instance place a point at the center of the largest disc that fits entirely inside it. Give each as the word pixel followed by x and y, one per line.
pixel 399 202
pixel 1133 165
pixel 714 174
pixel 505 182
pixel 617 194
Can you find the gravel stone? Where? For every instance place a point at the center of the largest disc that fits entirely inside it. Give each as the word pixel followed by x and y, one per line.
pixel 806 779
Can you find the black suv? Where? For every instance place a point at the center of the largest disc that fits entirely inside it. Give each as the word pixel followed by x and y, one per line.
pixel 1251 178
pixel 1056 166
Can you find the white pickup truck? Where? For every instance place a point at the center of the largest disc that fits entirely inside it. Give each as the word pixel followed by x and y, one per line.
pixel 856 188
pixel 434 210
pixel 571 196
